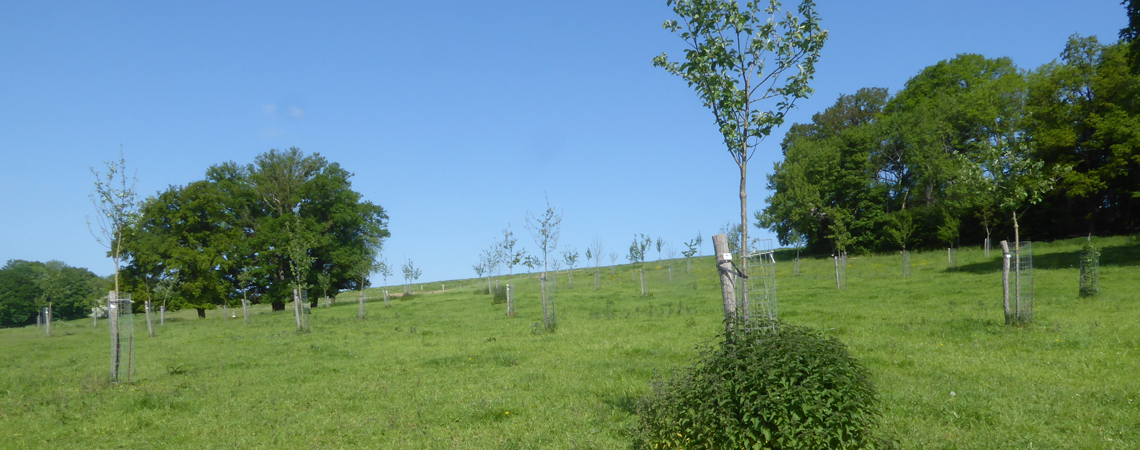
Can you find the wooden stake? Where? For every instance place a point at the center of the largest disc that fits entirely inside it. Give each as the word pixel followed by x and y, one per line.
pixel 1005 255
pixel 727 279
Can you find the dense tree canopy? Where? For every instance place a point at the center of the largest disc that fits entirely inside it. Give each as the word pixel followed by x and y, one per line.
pixel 965 148
pixel 28 286
pixel 232 231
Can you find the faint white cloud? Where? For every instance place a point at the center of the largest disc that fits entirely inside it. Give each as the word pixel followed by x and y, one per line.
pixel 296 112
pixel 272 132
pixel 270 109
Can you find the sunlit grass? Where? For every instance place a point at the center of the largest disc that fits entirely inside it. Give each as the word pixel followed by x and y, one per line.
pixel 449 370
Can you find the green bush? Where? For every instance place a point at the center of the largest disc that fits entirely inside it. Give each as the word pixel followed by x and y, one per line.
pixel 792 389
pixel 500 295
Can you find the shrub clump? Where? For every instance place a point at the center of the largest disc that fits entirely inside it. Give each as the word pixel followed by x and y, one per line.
pixel 791 389
pixel 500 296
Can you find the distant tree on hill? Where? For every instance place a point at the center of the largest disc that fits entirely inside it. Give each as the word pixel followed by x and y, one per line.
pixel 545 230
pixel 571 258
pixel 411 273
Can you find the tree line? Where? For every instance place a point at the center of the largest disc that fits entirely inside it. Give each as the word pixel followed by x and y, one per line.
pixel 263 231
pixel 969 146
pixel 26 287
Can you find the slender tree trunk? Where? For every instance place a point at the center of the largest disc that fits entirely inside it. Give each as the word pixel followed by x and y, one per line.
pixel 727 279
pixel 1005 255
pixel 744 215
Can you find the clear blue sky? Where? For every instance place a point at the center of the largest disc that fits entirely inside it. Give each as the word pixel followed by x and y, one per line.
pixel 456 117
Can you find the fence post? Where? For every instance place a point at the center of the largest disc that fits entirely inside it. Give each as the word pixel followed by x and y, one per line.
pixel 1005 280
pixel 727 279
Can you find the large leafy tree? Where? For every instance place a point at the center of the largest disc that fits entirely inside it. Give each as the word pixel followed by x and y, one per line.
pixel 184 230
pixel 749 64
pixel 961 135
pixel 833 177
pixel 26 286
pixel 239 231
pixel 1084 124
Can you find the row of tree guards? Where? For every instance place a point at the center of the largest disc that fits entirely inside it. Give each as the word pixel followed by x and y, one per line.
pixel 751 304
pixel 750 300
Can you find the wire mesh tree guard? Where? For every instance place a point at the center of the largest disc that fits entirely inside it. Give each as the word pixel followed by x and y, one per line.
pixel 840 260
pixel 986 248
pixel 549 316
pixel 905 263
pixel 360 308
pixel 511 301
pixel 757 299
pixel 245 309
pixel 306 311
pixel 122 328
pixel 951 257
pixel 47 320
pixel 796 266
pixel 1090 270
pixel 1023 282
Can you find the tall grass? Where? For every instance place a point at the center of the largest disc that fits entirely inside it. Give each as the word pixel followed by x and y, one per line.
pixel 451 370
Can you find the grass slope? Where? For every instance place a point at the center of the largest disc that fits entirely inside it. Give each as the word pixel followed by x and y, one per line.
pixel 449 370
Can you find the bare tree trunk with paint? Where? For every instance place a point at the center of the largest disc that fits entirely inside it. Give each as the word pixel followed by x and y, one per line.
pixel 727 280
pixel 149 310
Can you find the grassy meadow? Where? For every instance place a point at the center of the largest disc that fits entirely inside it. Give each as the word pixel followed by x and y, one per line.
pixel 450 370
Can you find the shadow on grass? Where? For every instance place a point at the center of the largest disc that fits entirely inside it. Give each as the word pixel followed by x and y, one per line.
pixel 1119 255
pixel 624 402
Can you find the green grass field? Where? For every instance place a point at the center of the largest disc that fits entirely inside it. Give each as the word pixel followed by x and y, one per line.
pixel 450 370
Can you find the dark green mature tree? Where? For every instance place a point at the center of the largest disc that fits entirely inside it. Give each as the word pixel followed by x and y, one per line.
pixel 1130 35
pixel 18 293
pixel 1083 120
pixel 184 230
pixel 740 61
pixel 963 137
pixel 26 286
pixel 834 176
pixel 237 232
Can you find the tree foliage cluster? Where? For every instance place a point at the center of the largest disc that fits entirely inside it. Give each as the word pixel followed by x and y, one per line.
pixel 259 230
pixel 28 286
pixel 965 148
